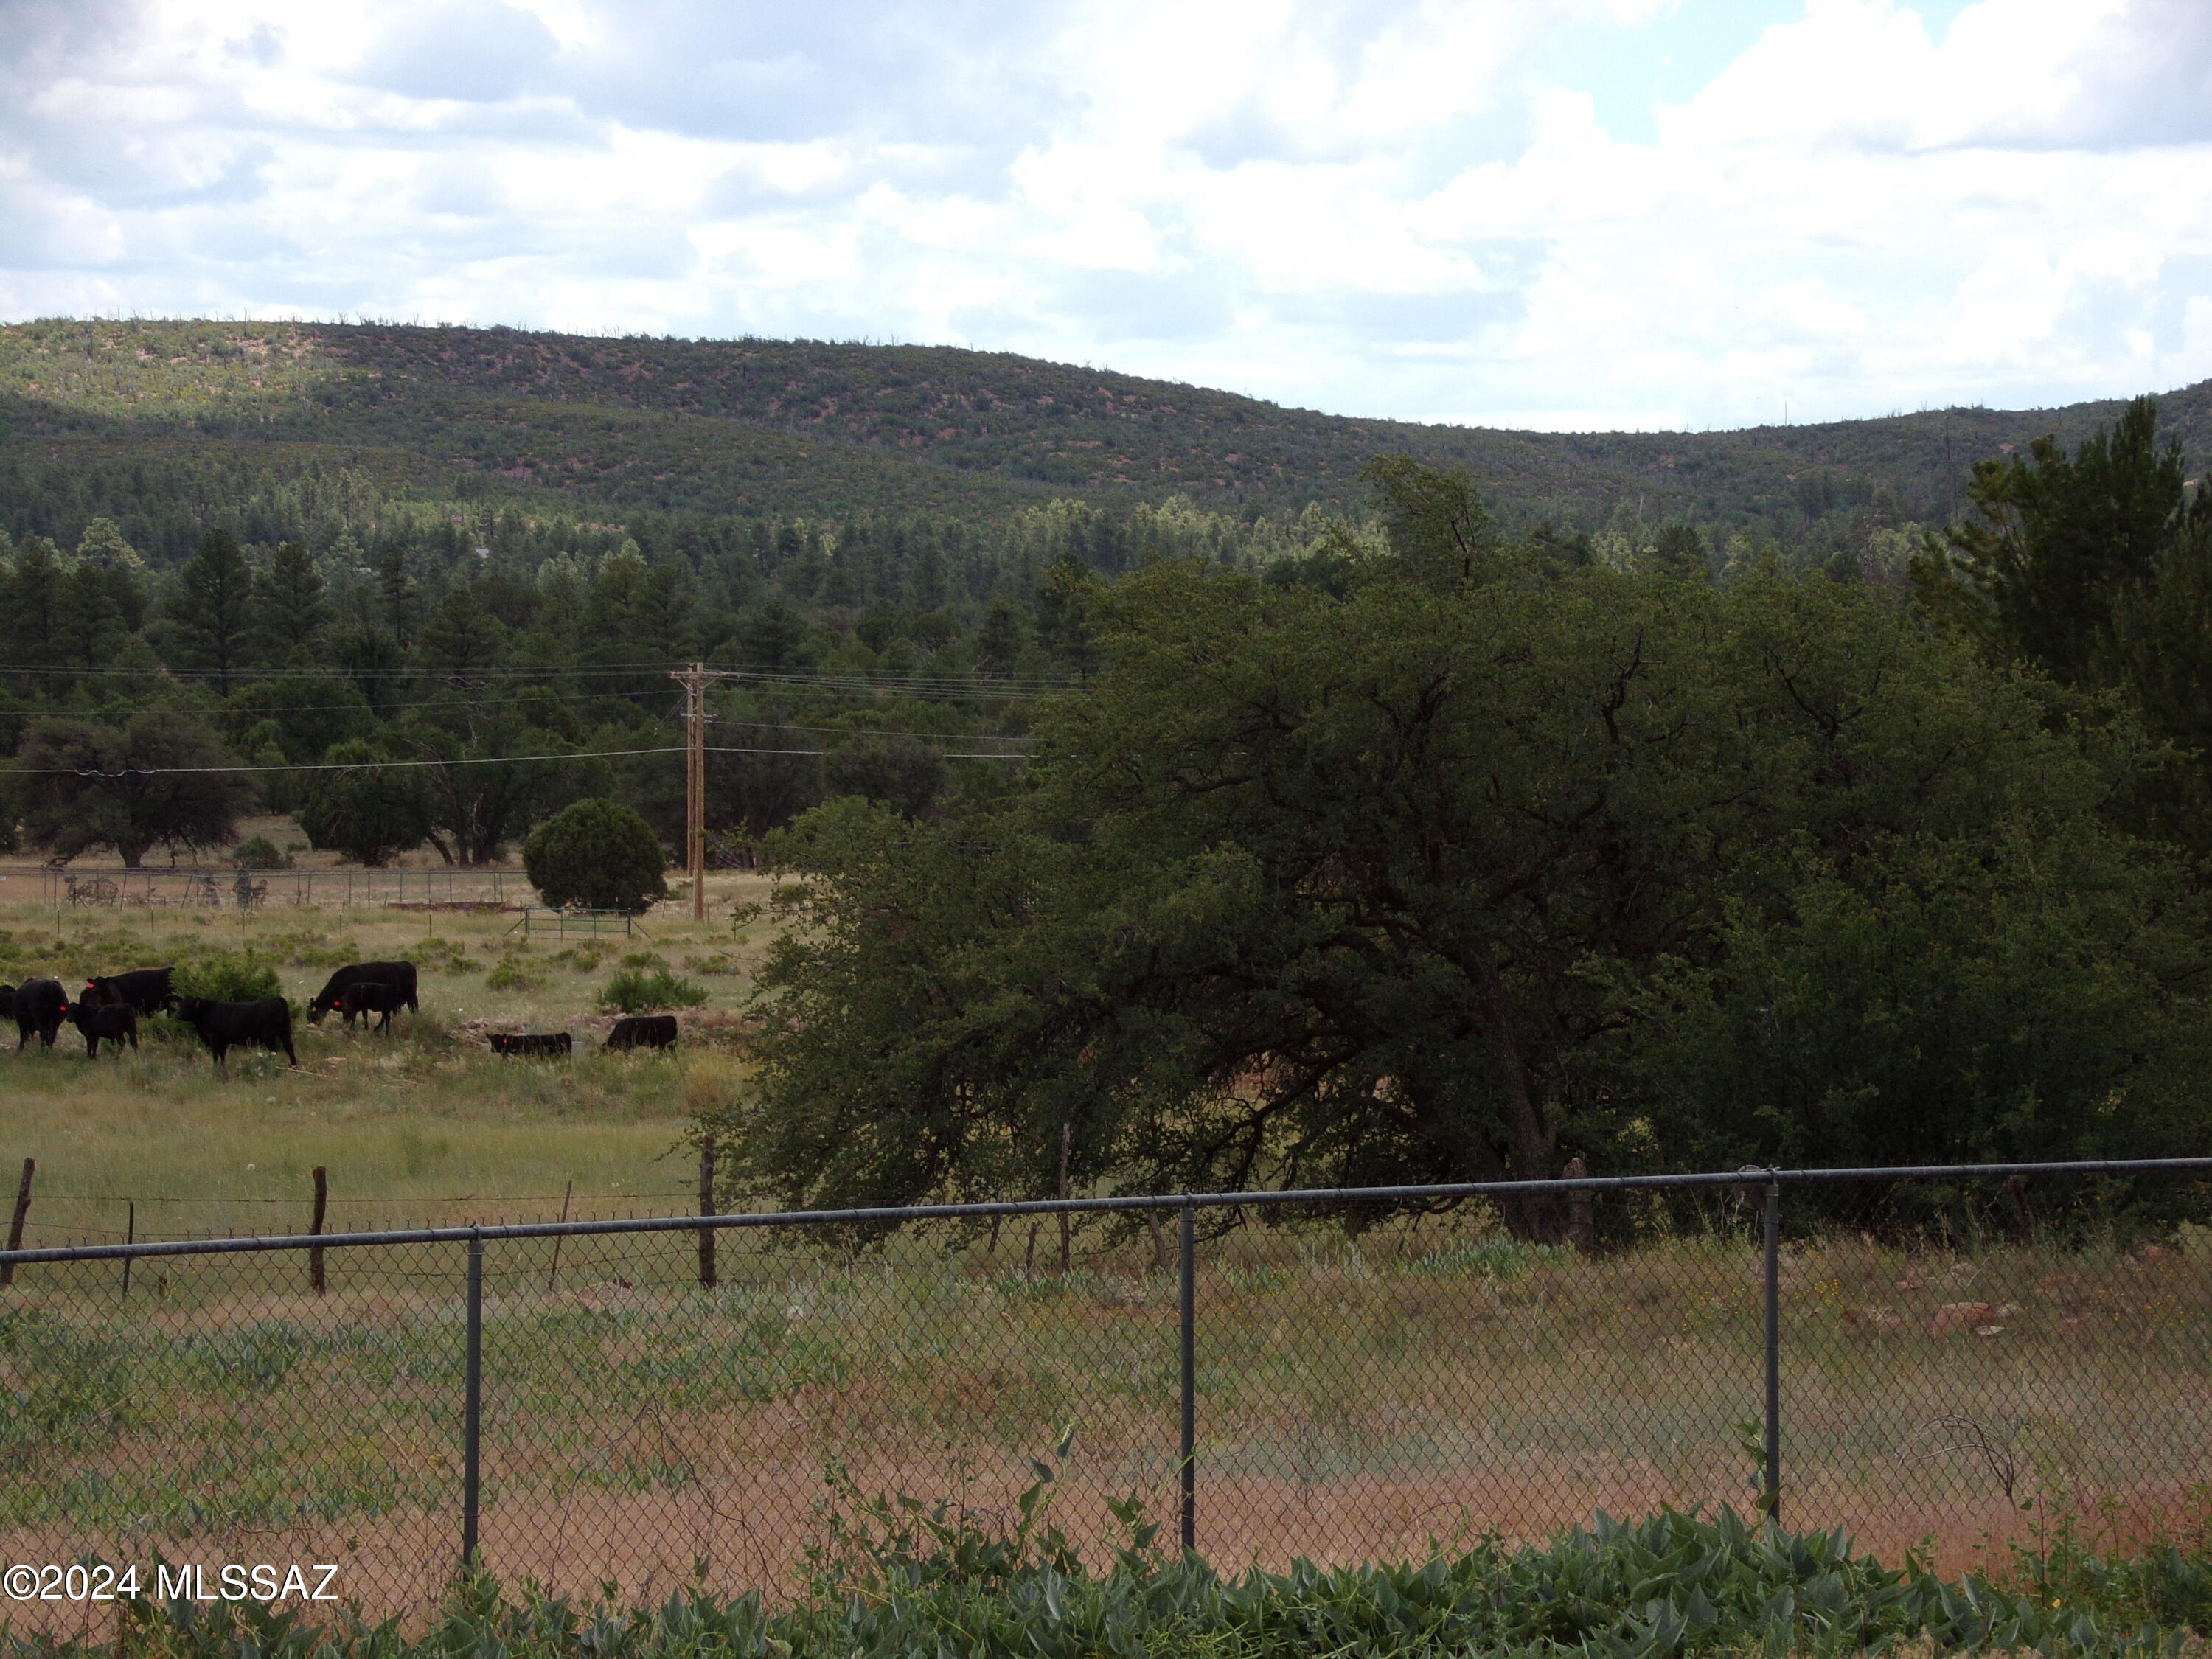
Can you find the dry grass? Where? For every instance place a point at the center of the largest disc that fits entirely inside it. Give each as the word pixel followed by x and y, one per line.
pixel 1354 1403
pixel 1356 1399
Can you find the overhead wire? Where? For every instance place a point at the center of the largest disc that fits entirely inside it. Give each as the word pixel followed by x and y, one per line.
pixel 920 683
pixel 7 770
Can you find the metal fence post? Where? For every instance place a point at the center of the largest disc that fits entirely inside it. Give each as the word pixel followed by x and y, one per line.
pixel 1188 1465
pixel 1772 1497
pixel 472 1406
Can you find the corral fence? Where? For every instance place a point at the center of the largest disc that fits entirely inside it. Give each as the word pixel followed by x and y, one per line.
pixel 1940 1356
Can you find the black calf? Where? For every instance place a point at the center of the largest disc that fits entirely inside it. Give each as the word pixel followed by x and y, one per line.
pixel 119 1024
pixel 365 997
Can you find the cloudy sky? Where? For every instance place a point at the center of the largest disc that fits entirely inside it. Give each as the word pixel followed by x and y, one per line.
pixel 1577 213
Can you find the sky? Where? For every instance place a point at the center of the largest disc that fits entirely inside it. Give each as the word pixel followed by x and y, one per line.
pixel 1567 214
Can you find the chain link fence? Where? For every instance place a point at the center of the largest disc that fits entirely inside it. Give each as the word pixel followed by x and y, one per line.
pixel 1940 1357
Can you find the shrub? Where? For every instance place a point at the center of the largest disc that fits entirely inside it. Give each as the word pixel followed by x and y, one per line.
pixel 228 976
pixel 641 991
pixel 511 974
pixel 595 855
pixel 260 852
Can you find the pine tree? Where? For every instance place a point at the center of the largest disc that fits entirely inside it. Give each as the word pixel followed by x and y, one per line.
pixel 289 603
pixel 212 610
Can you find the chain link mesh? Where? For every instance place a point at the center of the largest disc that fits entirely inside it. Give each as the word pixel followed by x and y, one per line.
pixel 1953 1373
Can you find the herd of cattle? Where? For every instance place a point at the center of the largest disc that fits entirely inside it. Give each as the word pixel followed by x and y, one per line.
pixel 108 1011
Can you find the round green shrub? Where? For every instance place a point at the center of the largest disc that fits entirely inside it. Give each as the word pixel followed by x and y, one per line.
pixel 228 976
pixel 595 855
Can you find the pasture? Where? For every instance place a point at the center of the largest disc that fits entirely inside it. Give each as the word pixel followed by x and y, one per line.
pixel 422 1124
pixel 1357 1396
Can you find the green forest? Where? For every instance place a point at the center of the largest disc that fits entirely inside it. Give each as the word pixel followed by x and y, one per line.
pixel 1176 790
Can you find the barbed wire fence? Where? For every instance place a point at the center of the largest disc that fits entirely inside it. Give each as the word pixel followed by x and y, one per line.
pixel 1944 1357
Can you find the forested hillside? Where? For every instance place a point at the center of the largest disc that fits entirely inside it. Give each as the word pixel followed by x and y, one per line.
pixel 163 426
pixel 321 550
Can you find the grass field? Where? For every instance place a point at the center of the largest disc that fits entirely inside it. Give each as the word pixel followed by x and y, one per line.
pixel 1357 1397
pixel 424 1124
pixel 1354 1401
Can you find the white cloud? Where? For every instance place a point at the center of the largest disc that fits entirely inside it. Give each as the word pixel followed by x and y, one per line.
pixel 1404 207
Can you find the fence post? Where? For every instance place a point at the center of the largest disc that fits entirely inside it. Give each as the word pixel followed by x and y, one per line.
pixel 472 1406
pixel 1771 1501
pixel 1188 1463
pixel 16 1221
pixel 315 1251
pixel 707 1207
pixel 1582 1218
pixel 130 1236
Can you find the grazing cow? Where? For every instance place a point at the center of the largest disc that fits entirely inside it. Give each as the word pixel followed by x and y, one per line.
pixel 266 1024
pixel 117 1023
pixel 642 1031
pixel 146 990
pixel 554 1043
pixel 7 1002
pixel 41 1004
pixel 365 997
pixel 399 975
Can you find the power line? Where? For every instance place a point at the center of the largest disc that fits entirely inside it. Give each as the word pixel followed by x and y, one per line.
pixel 921 684
pixel 382 765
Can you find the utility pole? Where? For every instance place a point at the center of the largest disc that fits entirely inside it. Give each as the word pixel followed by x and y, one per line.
pixel 695 680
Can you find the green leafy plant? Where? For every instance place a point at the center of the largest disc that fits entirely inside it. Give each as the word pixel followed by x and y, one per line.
pixel 639 991
pixel 228 976
pixel 511 974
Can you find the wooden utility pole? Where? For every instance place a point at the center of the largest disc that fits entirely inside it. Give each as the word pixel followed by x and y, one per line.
pixel 695 680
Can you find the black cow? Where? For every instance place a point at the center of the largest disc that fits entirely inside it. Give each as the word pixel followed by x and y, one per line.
pixel 554 1043
pixel 41 1004
pixel 117 1023
pixel 266 1024
pixel 642 1031
pixel 147 990
pixel 7 1002
pixel 365 997
pixel 399 975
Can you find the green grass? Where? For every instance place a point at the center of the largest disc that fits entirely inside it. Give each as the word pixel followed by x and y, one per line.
pixel 898 1577
pixel 421 1125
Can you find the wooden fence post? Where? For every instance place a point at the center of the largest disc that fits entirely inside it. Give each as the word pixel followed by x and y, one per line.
pixel 16 1221
pixel 315 1252
pixel 1581 1224
pixel 553 1272
pixel 707 1207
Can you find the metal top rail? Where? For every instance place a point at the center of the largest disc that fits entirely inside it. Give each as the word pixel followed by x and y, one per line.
pixel 1749 1175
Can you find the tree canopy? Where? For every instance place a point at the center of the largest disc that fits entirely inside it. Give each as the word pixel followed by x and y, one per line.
pixel 153 781
pixel 1472 869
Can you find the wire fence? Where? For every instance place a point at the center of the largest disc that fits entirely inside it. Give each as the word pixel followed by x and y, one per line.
pixel 189 887
pixel 1940 1357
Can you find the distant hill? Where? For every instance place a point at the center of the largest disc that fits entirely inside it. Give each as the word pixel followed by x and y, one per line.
pixel 599 428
